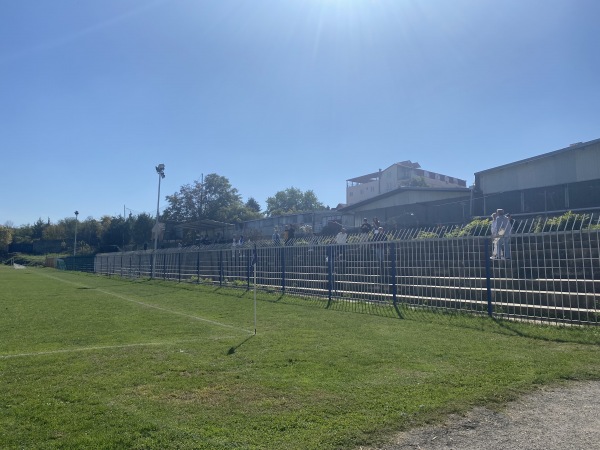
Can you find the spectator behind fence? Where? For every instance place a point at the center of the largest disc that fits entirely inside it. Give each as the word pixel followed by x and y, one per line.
pixel 380 237
pixel 276 237
pixel 291 233
pixel 365 229
pixel 341 239
pixel 501 231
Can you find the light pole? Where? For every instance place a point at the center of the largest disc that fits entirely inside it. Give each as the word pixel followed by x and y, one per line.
pixel 160 170
pixel 75 243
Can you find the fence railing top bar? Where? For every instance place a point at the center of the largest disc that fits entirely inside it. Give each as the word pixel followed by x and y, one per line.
pixel 479 227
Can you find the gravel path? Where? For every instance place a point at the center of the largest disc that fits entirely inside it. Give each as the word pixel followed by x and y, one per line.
pixel 552 418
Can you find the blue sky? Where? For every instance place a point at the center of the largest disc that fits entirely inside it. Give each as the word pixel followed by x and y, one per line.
pixel 279 93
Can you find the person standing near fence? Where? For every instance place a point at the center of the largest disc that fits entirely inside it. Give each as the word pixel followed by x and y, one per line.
pixel 501 231
pixel 380 247
pixel 365 229
pixel 494 231
pixel 291 234
pixel 276 237
pixel 340 240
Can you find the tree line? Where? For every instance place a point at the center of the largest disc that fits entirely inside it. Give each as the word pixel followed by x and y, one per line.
pixel 213 198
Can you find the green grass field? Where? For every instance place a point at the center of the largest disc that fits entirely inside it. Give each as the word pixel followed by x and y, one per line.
pixel 93 362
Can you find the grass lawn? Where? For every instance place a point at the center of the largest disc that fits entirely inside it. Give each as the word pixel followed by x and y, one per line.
pixel 95 362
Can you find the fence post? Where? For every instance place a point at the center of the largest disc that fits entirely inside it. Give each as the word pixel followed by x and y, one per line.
pixel 488 281
pixel 394 273
pixel 248 265
pixel 179 264
pixel 198 266
pixel 221 273
pixel 283 269
pixel 164 266
pixel 329 272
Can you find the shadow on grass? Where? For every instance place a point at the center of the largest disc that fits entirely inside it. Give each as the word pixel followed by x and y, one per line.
pixel 233 349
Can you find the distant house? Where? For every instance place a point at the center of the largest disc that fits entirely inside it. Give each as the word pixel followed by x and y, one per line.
pixel 398 175
pixel 554 182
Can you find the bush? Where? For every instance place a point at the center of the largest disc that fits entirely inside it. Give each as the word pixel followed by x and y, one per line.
pixel 426 235
pixel 477 227
pixel 568 221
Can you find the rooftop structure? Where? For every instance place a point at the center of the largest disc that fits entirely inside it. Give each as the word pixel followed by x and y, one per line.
pixel 401 174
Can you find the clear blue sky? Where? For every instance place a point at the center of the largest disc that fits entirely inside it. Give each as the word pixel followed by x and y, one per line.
pixel 279 93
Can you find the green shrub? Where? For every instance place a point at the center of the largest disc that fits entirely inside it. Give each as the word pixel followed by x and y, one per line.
pixel 477 227
pixel 567 221
pixel 426 235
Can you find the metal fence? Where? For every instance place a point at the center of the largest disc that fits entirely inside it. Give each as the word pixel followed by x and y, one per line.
pixel 553 275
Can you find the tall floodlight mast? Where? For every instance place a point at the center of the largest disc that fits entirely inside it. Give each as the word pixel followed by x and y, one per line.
pixel 160 170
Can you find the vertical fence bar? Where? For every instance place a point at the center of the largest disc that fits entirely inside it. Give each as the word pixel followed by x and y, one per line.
pixel 179 264
pixel 329 272
pixel 248 266
pixel 221 268
pixel 393 273
pixel 488 281
pixel 283 255
pixel 198 268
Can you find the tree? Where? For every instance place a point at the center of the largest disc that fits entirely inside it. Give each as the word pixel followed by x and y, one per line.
pixel 293 200
pixel 37 230
pixel 90 231
pixel 23 234
pixel 56 232
pixel 253 205
pixel 5 238
pixel 142 229
pixel 213 199
pixel 115 231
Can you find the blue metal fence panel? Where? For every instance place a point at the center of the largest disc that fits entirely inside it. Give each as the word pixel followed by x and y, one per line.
pixel 551 276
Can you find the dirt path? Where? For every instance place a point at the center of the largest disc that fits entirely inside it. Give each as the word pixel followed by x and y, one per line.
pixel 553 418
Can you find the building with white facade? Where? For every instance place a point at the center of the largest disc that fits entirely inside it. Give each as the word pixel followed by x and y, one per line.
pixel 398 175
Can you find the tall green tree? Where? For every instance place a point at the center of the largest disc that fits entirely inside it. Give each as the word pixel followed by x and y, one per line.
pixel 90 231
pixel 58 231
pixel 253 205
pixel 37 229
pixel 214 199
pixel 6 237
pixel 142 229
pixel 293 200
pixel 115 231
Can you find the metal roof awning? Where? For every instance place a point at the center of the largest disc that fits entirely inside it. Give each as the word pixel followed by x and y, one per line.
pixel 365 178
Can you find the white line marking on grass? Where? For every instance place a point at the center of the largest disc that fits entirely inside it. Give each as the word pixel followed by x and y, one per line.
pixel 147 305
pixel 105 347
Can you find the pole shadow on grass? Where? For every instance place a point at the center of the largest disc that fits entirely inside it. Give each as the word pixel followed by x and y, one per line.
pixel 233 349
